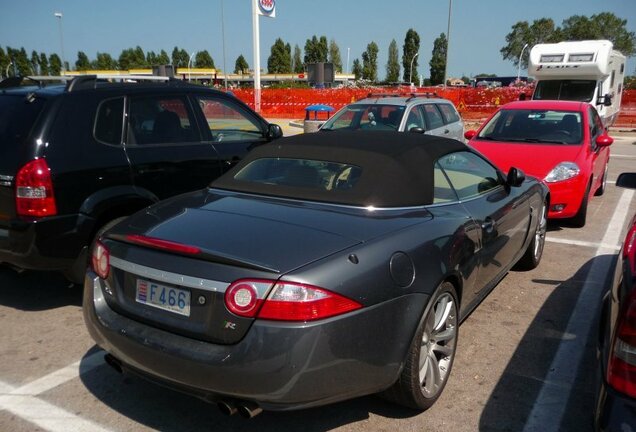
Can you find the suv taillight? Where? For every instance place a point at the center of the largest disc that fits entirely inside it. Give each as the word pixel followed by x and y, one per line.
pixel 286 301
pixel 34 190
pixel 621 370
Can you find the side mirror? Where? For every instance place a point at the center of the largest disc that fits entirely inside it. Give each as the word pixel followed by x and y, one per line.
pixel 607 100
pixel 417 129
pixel 516 177
pixel 604 140
pixel 522 96
pixel 470 134
pixel 273 132
pixel 626 180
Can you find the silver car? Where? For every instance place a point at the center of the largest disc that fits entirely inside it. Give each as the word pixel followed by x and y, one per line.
pixel 417 112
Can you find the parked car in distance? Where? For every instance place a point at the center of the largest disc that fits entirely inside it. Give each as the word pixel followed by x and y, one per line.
pixel 301 278
pixel 414 112
pixel 76 157
pixel 560 142
pixel 616 395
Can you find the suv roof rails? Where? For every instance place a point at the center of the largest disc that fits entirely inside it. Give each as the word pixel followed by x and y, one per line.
pixel 18 80
pixel 82 82
pixel 411 95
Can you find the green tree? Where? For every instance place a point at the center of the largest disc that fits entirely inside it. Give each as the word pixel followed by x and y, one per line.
pixel 541 31
pixel 180 58
pixel 334 56
pixel 151 58
pixel 438 60
pixel 163 58
pixel 297 61
pixel 393 64
pixel 55 64
pixel 35 62
pixel 22 63
pixel 356 69
pixel 370 62
pixel 241 66
pixel 4 62
pixel 105 61
pixel 316 50
pixel 139 58
pixel 604 25
pixel 410 48
pixel 279 60
pixel 203 59
pixel 82 63
pixel 44 64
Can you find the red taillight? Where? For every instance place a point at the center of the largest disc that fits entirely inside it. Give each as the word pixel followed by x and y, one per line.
pixel 34 190
pixel 101 260
pixel 162 244
pixel 621 370
pixel 287 301
pixel 629 248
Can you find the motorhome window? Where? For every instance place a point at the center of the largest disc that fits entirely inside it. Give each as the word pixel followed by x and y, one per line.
pixel 576 90
pixel 552 58
pixel 579 58
pixel 612 79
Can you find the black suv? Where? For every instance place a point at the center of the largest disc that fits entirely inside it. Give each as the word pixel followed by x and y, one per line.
pixel 76 157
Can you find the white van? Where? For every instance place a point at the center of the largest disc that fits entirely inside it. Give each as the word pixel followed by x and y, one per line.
pixel 590 71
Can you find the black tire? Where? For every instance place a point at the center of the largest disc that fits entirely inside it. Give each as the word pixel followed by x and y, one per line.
pixel 601 189
pixel 580 217
pixel 532 256
pixel 418 387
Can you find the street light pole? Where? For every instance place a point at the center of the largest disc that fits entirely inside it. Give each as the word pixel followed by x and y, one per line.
pixel 411 69
pixel 6 72
pixel 189 64
pixel 223 31
pixel 520 57
pixel 450 7
pixel 59 16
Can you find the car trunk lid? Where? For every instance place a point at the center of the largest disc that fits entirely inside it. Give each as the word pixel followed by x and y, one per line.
pixel 201 243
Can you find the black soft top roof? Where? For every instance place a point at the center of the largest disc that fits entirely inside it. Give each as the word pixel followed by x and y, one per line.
pixel 397 167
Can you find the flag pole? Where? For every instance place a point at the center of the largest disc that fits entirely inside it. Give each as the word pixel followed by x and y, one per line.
pixel 257 58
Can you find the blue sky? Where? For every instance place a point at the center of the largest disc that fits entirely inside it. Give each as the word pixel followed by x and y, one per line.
pixel 478 28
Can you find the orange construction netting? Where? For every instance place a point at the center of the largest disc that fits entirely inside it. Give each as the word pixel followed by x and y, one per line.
pixel 472 103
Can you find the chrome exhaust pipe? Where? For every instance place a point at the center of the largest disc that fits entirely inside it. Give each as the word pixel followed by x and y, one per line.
pixel 113 362
pixel 227 407
pixel 249 410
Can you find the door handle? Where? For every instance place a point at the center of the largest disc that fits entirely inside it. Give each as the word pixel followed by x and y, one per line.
pixel 446 131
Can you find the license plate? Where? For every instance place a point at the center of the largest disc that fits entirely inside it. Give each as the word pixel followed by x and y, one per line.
pixel 163 297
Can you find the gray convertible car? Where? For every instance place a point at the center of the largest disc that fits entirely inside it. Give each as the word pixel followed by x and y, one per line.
pixel 320 268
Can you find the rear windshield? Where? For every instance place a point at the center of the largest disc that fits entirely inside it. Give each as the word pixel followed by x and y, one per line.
pixel 367 117
pixel 534 126
pixel 17 116
pixel 301 173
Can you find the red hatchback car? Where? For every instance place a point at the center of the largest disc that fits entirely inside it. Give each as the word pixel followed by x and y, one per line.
pixel 562 143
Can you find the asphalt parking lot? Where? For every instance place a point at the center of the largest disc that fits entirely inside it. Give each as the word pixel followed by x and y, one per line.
pixel 525 361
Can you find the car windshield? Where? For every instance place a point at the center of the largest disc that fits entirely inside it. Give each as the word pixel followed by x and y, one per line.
pixel 576 90
pixel 534 126
pixel 367 117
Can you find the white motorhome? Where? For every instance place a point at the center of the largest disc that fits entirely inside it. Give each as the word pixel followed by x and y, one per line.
pixel 590 71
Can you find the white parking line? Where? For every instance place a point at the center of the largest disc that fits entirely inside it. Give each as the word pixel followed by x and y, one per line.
pixel 582 243
pixel 620 156
pixel 24 403
pixel 549 407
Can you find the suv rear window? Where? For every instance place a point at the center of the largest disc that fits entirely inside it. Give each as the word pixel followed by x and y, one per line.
pixel 17 117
